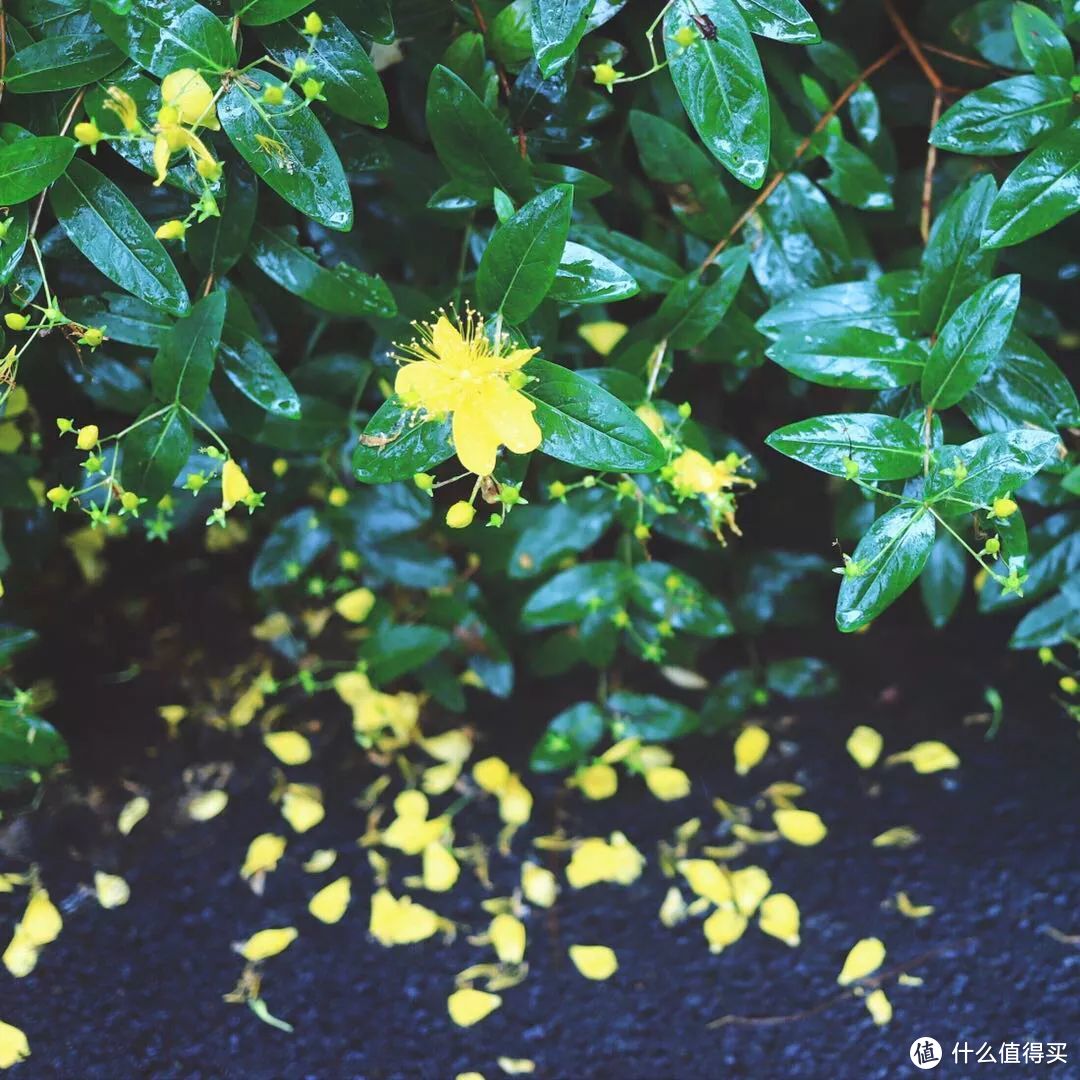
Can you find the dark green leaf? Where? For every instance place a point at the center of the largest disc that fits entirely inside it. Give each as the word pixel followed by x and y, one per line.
pixel 1044 46
pixel 265 12
pixel 396 650
pixel 294 544
pixel 155 452
pixel 569 737
pixel 1052 622
pixel 572 594
pixel 585 276
pixel 651 718
pixel 396 447
pixel 13 242
pixel 692 310
pixel 801 677
pixel 101 222
pixel 255 373
pixel 855 179
pixel 557 27
pixel 888 559
pixel 185 362
pixel 943 579
pixel 653 271
pixel 548 533
pixel 781 20
pixel 124 318
pixel 667 593
pixel 217 244
pixel 850 356
pixel 1054 559
pixel 29 742
pixel 61 62
pixel 29 166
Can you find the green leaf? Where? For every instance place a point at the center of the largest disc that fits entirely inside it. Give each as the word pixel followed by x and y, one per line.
pixel 185 361
pixel 585 276
pixel 954 264
pixel 850 356
pixel 29 742
pixel 165 35
pixel 572 594
pixel 395 447
pixel 13 242
pixel 801 677
pixel 1052 622
pixel 722 86
pixel 255 373
pixel 1044 46
pixel 294 544
pixel 584 425
pixel 216 245
pixel 520 262
pixel 692 310
pixel 988 467
pixel 889 558
pixel 782 20
pixel 396 650
pixel 1041 191
pixel 28 166
pixel 124 318
pixel 155 452
pixel 264 12
pixel 651 718
pixel 471 143
pixel 366 18
pixel 557 27
pixel 1054 560
pixel 969 341
pixel 855 179
pixel 547 533
pixel 883 447
pixel 569 737
pixel 287 146
pixel 666 593
pixel 344 290
pixel 352 86
pixel 61 62
pixel 653 271
pixel 1005 117
pixel 942 581
pixel 102 223
pixel 987 28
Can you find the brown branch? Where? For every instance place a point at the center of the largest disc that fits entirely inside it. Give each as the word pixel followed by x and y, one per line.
pixel 63 131
pixel 913 47
pixel 926 207
pixel 801 149
pixel 3 47
pixel 948 55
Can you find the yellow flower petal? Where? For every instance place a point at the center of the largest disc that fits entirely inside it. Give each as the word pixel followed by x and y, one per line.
pixel 539 885
pixel 865 957
pixel 189 93
pixel 802 827
pixel 902 836
pixel 468 1006
pixel 750 748
pixel 879 1006
pixel 515 802
pixel 595 860
pixel 400 921
pixel 708 879
pixel 13 1046
pixel 750 886
pixel 263 854
pixel 440 868
pixel 302 806
pixel 517 1066
pixel 41 922
pixel 439 779
pixel 132 813
pixel 267 943
pixel 594 961
pixel 451 746
pixel 289 747
pixel 355 606
pixel 492 774
pixel 927 757
pixel 912 911
pixel 603 336
pixel 723 928
pixel 779 917
pixel 507 935
pixel 864 745
pixel 20 957
pixel 667 782
pixel 598 781
pixel 207 805
pixel 475 439
pixel 112 891
pixel 331 902
pixel 673 909
pixel 320 861
pixel 234 485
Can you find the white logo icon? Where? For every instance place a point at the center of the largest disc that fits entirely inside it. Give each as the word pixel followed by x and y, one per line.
pixel 925 1053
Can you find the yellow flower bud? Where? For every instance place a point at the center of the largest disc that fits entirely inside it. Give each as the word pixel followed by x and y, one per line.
pixel 171 230
pixel 460 515
pixel 1069 684
pixel 208 169
pixel 88 437
pixel 59 496
pixel 234 485
pixel 87 133
pixel 93 337
pixel 338 496
pixel 274 94
pixel 605 75
pixel 279 467
pixel 15 321
pixel 1004 508
pixel 129 500
pixel 685 36
pixel 312 23
pixel 312 88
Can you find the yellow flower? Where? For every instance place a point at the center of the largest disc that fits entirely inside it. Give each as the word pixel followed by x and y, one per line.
pixel 456 370
pixel 507 933
pixel 865 957
pixel 411 831
pixel 597 781
pixel 440 868
pixel 267 943
pixel 605 75
pixel 87 437
pixel 190 94
pixel 302 806
pixel 13 1046
pixel 171 230
pixel 112 891
pixel 461 514
pixel 603 336
pixel 263 854
pixel 750 748
pixel 123 104
pixel 694 474
pixel 685 36
pixel 87 133
pixel 802 827
pixel 864 745
pixel 667 783
pixel 132 813
pixel 234 485
pixel 539 885
pixel 880 1007
pixel 468 1006
pixel 595 860
pixel 779 917
pixel 594 961
pixel 927 757
pixel 289 747
pixel 397 921
pixel 330 903
pixel 723 928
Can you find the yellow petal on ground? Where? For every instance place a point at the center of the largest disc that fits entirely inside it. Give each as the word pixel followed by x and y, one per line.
pixel 492 774
pixel 879 1007
pixel 355 606
pixel 912 911
pixel 112 891
pixel 397 921
pixel 41 922
pixel 539 885
pixel 707 879
pixel 750 885
pixel 598 781
pixel 302 807
pixel 667 782
pixel 21 955
pixel 596 860
pixel 904 979
pixel 508 938
pixel 864 745
pixel 132 813
pixel 450 746
pixel 206 805
pixel 723 928
pixel 439 779
pixel 927 757
pixel 469 1076
pixel 440 868
pixel 515 802
pixel 289 747
pixel 517 1066
pixel 901 836
pixel 267 943
pixel 468 1006
pixel 802 827
pixel 272 627
pixel 779 917
pixel 603 336
pixel 321 861
pixel 750 748
pixel 865 957
pixel 13 1046
pixel 331 902
pixel 263 854
pixel 594 961
pixel 673 909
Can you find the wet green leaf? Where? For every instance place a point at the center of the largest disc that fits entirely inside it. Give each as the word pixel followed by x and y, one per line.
pixel 781 20
pixel 28 166
pixel 155 452
pixel 882 447
pixel 185 361
pixel 396 447
pixel 850 356
pixel 569 738
pixel 60 63
pixel 557 27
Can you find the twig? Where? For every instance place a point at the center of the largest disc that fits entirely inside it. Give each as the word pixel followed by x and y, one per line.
pixel 913 46
pixel 801 149
pixel 927 203
pixel 63 131
pixel 3 48
pixel 949 55
pixel 481 22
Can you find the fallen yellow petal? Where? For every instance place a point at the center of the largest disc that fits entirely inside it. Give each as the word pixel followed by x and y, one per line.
pixel 707 879
pixel 321 861
pixel 492 774
pixel 667 782
pixel 41 922
pixel 302 807
pixel 112 891
pixel 673 909
pixel 13 1046
pixel 598 781
pixel 927 757
pixel 132 813
pixel 865 958
pixel 289 747
pixel 331 902
pixel 267 943
pixel 779 917
pixel 207 805
pixel 516 1066
pixel 750 886
pixel 912 911
pixel 802 827
pixel 468 1006
pixel 603 336
pixel 20 957
pixel 723 928
pixel 879 1006
pixel 594 961
pixel 750 748
pixel 263 854
pixel 440 868
pixel 902 836
pixel 450 746
pixel 507 935
pixel 355 606
pixel 538 884
pixel 864 745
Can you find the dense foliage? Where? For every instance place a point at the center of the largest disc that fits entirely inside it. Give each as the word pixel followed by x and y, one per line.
pixel 268 270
